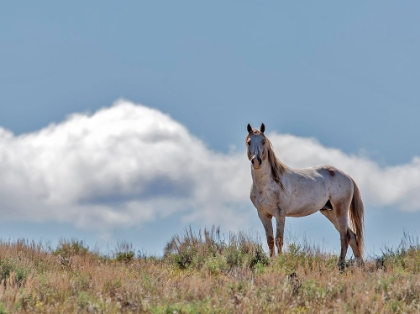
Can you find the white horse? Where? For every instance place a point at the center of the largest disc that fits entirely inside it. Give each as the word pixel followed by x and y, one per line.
pixel 280 191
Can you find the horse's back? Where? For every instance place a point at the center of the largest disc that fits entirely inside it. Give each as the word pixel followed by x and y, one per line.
pixel 339 184
pixel 325 181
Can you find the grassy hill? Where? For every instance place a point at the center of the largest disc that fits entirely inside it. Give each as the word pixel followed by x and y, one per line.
pixel 202 272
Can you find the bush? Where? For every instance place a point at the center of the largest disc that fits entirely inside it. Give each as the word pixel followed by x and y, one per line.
pixel 208 247
pixel 125 257
pixel 68 248
pixel 124 252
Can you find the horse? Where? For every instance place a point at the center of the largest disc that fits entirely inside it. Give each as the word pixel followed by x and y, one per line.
pixel 280 191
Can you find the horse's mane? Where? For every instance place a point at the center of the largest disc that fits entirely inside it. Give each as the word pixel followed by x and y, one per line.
pixel 277 167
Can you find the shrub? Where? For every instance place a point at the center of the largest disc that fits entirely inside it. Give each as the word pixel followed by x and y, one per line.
pixel 196 249
pixel 68 248
pixel 125 257
pixel 124 252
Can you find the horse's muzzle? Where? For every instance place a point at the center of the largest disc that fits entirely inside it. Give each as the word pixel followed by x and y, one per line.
pixel 256 158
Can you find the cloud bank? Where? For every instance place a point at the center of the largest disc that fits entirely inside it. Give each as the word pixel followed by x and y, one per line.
pixel 128 165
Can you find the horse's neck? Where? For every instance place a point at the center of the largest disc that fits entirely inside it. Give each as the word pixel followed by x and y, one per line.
pixel 263 175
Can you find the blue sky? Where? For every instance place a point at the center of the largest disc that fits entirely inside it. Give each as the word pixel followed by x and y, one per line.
pixel 345 74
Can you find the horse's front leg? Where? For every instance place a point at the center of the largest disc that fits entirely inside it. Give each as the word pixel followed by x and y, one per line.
pixel 268 227
pixel 281 221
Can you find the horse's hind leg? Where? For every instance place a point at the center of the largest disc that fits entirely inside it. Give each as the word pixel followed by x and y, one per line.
pixel 355 247
pixel 342 227
pixel 352 241
pixel 341 224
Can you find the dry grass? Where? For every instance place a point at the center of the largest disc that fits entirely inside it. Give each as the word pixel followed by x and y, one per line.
pixel 204 273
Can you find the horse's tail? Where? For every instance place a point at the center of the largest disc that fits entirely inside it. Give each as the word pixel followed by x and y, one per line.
pixel 356 216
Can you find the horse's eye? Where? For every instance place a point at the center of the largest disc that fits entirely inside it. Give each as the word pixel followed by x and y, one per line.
pixel 249 142
pixel 263 142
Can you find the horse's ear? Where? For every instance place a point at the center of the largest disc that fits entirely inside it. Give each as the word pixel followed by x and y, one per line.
pixel 262 128
pixel 249 128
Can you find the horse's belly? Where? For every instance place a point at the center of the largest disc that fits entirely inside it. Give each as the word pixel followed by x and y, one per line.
pixel 302 212
pixel 305 209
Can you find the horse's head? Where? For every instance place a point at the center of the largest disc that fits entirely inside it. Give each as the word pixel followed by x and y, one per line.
pixel 256 146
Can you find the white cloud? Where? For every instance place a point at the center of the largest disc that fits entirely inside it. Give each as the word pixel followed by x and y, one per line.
pixel 122 166
pixel 129 165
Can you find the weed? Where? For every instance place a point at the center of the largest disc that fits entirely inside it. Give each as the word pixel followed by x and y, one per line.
pixel 2 308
